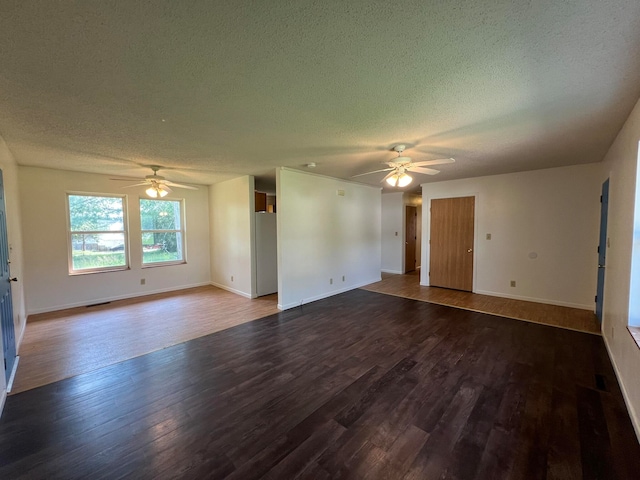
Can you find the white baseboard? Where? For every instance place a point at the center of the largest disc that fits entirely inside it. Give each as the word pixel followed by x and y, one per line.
pixel 5 391
pixel 536 300
pixel 20 337
pixel 13 374
pixel 633 415
pixel 94 301
pixel 326 294
pixel 529 299
pixel 232 290
pixel 397 272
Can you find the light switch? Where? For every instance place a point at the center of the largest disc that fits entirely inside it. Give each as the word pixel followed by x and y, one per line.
pixel 488 236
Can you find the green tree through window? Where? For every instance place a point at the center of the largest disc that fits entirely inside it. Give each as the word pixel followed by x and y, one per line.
pixel 97 233
pixel 162 231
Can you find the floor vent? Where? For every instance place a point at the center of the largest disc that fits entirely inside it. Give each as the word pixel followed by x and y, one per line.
pixel 600 383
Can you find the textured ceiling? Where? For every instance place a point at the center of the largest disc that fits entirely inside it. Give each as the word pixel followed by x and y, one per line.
pixel 221 89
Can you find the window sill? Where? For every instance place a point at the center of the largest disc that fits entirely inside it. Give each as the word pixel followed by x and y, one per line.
pixel 164 264
pixel 102 270
pixel 635 334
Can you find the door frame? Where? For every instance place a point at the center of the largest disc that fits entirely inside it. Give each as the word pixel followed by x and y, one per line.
pixel 602 250
pixel 426 235
pixel 404 239
pixel 7 328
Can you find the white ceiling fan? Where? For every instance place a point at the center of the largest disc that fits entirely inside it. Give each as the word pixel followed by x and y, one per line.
pixel 399 167
pixel 158 185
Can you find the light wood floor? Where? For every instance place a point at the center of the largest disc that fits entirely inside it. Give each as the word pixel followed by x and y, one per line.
pixel 70 342
pixel 408 286
pixel 66 343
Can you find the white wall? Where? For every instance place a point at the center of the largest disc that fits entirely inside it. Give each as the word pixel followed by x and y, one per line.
pixel 231 206
pixel 14 233
pixel 620 166
pixel 553 213
pixel 323 236
pixel 44 221
pixel 392 232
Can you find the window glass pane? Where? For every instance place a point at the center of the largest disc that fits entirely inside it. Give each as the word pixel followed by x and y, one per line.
pixel 89 213
pixel 97 250
pixel 161 247
pixel 157 245
pixel 160 214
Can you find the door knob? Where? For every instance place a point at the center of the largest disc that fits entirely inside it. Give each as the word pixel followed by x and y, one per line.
pixel 470 250
pixel 14 279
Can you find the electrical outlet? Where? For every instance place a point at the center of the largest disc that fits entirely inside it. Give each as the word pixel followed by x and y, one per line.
pixel 513 283
pixel 232 278
pixel 143 281
pixel 488 236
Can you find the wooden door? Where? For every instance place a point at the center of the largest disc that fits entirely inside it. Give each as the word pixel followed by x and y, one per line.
pixel 451 243
pixel 260 201
pixel 410 238
pixel 6 308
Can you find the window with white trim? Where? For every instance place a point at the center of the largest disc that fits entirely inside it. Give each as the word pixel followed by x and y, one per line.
pixel 162 232
pixel 97 233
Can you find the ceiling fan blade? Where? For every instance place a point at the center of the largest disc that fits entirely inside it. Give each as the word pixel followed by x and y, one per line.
pixel 375 171
pixel 125 179
pixel 179 185
pixel 439 161
pixel 428 171
pixel 136 185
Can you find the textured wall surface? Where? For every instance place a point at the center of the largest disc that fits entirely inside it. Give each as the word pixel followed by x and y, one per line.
pixel 46 238
pixel 552 213
pixel 621 166
pixel 327 242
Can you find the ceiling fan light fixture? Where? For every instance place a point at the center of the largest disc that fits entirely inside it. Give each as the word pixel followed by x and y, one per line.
pixel 399 179
pixel 404 180
pixel 397 168
pixel 156 191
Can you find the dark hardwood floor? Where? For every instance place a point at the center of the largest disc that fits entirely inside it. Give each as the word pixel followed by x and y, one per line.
pixel 360 385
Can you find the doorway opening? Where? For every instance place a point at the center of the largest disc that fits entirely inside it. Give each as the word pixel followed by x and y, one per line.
pixel 602 248
pixel 411 239
pixel 265 237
